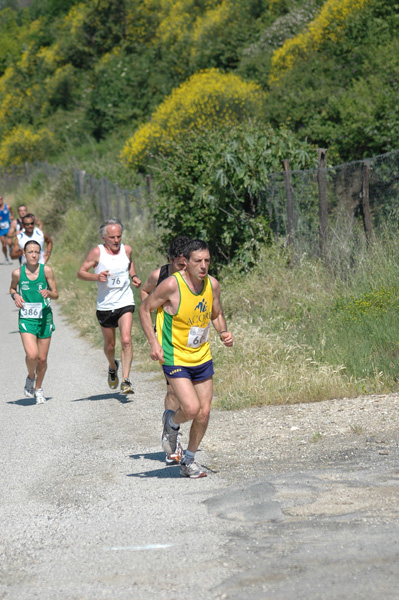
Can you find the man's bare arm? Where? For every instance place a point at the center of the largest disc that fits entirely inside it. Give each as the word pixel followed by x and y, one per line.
pixel 218 318
pixel 16 251
pixel 49 247
pixel 91 262
pixel 149 285
pixel 136 281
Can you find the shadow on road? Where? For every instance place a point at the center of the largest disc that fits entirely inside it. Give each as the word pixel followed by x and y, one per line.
pixel 24 402
pixel 111 396
pixel 158 456
pixel 164 473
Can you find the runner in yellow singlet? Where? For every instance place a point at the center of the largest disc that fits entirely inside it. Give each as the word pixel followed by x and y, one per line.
pixel 177 262
pixel 186 304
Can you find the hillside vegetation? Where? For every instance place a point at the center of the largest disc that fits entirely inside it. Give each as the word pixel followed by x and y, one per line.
pixel 71 72
pixel 209 96
pixel 305 332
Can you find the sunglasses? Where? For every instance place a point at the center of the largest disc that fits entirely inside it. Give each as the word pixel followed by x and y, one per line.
pixel 30 223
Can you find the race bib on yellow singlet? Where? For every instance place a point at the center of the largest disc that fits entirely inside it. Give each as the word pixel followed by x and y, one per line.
pixel 31 310
pixel 198 336
pixel 117 280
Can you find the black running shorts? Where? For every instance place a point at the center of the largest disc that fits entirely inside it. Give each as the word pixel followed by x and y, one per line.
pixel 110 318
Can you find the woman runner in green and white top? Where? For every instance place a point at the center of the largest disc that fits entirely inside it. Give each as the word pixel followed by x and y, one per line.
pixel 36 285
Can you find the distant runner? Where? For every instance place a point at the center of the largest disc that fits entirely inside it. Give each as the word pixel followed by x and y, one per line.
pixel 37 286
pixel 5 223
pixel 113 268
pixel 30 232
pixel 177 262
pixel 186 304
pixel 16 224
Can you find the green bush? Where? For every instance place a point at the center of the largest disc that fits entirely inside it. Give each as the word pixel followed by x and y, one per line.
pixel 208 99
pixel 210 186
pixel 23 144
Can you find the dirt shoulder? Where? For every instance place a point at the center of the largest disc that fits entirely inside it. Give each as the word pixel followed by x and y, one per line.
pixel 276 438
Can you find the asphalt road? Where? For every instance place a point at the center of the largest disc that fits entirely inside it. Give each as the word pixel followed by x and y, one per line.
pixel 89 511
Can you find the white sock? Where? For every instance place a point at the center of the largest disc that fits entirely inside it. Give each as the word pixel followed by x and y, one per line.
pixel 189 457
pixel 172 424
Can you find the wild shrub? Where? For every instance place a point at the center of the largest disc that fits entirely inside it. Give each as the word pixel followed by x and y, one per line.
pixel 25 144
pixel 210 185
pixel 327 25
pixel 208 98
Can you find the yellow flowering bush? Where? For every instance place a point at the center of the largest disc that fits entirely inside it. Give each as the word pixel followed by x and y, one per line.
pixel 49 56
pixel 373 304
pixel 327 25
pixel 23 144
pixel 207 99
pixel 217 17
pixel 74 20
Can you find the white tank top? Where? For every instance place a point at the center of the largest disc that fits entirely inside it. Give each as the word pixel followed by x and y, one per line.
pixel 38 236
pixel 116 291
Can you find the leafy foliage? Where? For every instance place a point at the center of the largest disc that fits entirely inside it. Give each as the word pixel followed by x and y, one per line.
pixel 327 68
pixel 23 144
pixel 210 186
pixel 207 99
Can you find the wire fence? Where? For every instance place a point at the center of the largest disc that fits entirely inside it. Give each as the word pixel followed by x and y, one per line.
pixel 108 198
pixel 311 209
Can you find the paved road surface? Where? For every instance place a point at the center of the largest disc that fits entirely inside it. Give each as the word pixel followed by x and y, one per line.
pixel 89 511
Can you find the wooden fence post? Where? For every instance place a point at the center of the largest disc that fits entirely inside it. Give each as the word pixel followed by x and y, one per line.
pixel 104 198
pixel 323 204
pixel 118 203
pixel 367 224
pixel 289 194
pixel 81 180
pixel 128 212
pixel 149 186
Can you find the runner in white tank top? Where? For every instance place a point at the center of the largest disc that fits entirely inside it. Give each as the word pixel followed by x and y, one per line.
pixel 113 268
pixel 115 292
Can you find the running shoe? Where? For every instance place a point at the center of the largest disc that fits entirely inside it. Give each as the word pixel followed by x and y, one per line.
pixel 39 396
pixel 127 387
pixel 169 435
pixel 29 389
pixel 175 457
pixel 191 470
pixel 113 379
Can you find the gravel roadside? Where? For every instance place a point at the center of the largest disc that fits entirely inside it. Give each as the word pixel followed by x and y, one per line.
pixel 300 502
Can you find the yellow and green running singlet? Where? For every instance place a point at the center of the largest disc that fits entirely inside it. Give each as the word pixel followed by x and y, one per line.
pixel 184 336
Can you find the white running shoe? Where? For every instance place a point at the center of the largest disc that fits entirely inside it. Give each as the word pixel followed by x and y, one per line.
pixel 191 470
pixel 29 389
pixel 175 457
pixel 39 396
pixel 169 435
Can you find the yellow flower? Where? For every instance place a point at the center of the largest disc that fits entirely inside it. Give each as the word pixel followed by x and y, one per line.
pixel 208 98
pixel 331 20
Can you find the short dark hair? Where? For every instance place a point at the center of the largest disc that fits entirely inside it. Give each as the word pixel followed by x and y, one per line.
pixel 31 242
pixel 193 246
pixel 28 216
pixel 177 245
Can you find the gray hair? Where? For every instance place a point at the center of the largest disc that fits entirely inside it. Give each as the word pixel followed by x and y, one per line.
pixel 102 231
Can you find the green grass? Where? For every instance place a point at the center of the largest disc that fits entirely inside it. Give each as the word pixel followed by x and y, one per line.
pixel 303 332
